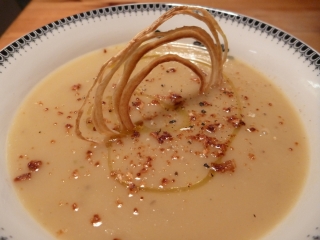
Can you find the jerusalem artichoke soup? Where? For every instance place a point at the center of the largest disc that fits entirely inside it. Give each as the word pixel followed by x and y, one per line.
pixel 195 145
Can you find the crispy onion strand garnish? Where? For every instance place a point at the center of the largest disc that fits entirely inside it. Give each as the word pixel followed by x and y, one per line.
pixel 140 45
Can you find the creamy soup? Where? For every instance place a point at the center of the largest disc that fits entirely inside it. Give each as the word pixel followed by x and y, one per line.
pixel 228 164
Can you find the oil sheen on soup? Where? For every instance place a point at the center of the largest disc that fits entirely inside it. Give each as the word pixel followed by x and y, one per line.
pixel 228 164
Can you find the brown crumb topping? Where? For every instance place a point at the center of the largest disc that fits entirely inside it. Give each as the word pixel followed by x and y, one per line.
pixel 161 137
pixel 96 220
pixel 235 121
pixel 176 99
pixel 228 165
pixel 76 87
pixel 34 165
pixel 23 177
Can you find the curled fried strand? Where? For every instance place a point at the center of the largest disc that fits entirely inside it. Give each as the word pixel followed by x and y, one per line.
pixel 135 50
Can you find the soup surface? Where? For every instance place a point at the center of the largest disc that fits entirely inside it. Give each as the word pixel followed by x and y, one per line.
pixel 228 164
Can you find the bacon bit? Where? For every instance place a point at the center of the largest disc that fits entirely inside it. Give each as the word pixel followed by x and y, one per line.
pixel 149 160
pixel 225 91
pixel 34 165
pixel 252 156
pixel 155 102
pixel 236 122
pixel 161 138
pixel 164 181
pixel 89 154
pixel 212 127
pixel 270 104
pixel 228 165
pixel 204 104
pixel 223 147
pixel 146 166
pixel 252 129
pixel 176 99
pixel 171 70
pixel 137 103
pixel 23 177
pixel 135 135
pixel 105 51
pixel 75 207
pixel 133 188
pixel 76 87
pixel 96 220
